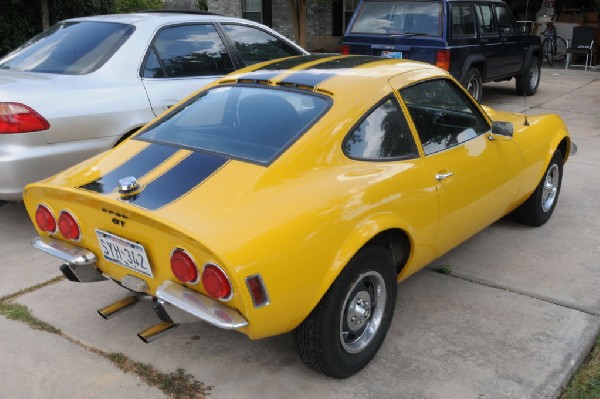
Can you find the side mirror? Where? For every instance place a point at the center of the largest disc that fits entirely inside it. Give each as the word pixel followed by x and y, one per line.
pixel 502 129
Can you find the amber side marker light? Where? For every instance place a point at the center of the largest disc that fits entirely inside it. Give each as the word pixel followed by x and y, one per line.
pixel 68 226
pixel 19 118
pixel 45 219
pixel 183 267
pixel 215 282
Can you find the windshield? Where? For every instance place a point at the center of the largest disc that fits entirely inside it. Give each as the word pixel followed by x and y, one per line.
pixel 69 48
pixel 399 17
pixel 249 123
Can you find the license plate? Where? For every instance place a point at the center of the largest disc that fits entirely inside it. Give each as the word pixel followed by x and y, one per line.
pixel 392 54
pixel 124 252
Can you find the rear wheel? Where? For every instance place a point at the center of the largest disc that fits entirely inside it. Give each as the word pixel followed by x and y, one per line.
pixel 539 206
pixel 528 82
pixel 561 49
pixel 474 83
pixel 344 332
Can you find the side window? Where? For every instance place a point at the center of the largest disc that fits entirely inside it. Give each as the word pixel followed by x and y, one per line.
pixel 255 45
pixel 463 20
pixel 187 50
pixel 506 21
pixel 383 134
pixel 442 114
pixel 487 23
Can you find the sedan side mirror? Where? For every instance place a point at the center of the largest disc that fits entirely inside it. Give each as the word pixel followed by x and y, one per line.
pixel 503 129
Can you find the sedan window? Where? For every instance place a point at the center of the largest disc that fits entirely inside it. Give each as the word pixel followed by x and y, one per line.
pixel 255 45
pixel 69 48
pixel 187 50
pixel 383 134
pixel 443 115
pixel 249 123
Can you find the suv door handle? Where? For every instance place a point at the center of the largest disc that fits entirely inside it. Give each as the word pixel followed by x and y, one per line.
pixel 443 176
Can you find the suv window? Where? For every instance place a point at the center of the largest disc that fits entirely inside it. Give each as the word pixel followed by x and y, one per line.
pixel 403 17
pixel 506 21
pixel 255 45
pixel 463 20
pixel 187 50
pixel 487 22
pixel 383 134
pixel 442 114
pixel 69 48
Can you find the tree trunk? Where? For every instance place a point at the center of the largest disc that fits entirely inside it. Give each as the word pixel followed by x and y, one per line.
pixel 45 14
pixel 299 21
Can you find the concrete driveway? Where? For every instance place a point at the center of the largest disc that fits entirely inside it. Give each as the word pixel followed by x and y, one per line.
pixel 516 316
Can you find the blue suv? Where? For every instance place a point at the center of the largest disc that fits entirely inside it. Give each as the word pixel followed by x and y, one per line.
pixel 475 40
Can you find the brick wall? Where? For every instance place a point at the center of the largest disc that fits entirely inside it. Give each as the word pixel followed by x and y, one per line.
pixel 318 24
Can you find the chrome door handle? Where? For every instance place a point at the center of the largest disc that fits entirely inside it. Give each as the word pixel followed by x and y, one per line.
pixel 442 176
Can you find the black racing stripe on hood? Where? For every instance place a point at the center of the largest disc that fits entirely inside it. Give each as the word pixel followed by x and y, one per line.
pixel 177 181
pixel 141 163
pixel 317 74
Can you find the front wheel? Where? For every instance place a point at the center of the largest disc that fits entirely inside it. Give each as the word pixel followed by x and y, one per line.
pixel 541 203
pixel 548 51
pixel 560 52
pixel 346 329
pixel 528 82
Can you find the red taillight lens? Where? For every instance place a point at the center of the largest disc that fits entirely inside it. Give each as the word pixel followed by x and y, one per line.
pixel 442 59
pixel 68 226
pixel 345 49
pixel 45 219
pixel 183 267
pixel 19 118
pixel 215 282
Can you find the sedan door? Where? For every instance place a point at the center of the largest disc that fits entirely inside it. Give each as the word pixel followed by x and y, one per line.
pixel 477 178
pixel 181 60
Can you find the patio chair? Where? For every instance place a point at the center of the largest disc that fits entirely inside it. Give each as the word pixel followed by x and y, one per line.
pixel 582 43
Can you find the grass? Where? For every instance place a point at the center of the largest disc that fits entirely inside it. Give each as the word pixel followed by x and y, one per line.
pixel 585 384
pixel 176 385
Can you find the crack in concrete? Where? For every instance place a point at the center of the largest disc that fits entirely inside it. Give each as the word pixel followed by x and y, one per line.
pixel 497 286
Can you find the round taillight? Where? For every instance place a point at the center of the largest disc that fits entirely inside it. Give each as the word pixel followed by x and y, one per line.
pixel 183 267
pixel 45 219
pixel 215 282
pixel 68 226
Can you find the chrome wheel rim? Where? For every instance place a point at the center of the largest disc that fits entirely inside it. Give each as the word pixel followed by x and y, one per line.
pixel 535 76
pixel 550 188
pixel 474 88
pixel 362 312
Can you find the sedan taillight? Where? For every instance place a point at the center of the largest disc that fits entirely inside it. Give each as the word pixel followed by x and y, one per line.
pixel 19 118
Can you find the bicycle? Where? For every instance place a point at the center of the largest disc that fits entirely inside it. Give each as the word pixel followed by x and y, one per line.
pixel 554 47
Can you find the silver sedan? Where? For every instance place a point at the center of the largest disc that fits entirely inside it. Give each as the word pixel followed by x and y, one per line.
pixel 84 84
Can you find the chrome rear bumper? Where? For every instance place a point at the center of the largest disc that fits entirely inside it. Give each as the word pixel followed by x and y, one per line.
pixel 174 303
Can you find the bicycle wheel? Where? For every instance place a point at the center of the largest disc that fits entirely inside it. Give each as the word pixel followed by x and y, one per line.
pixel 560 49
pixel 547 51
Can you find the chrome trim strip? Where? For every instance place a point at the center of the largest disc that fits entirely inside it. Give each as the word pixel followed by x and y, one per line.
pixel 200 306
pixel 69 253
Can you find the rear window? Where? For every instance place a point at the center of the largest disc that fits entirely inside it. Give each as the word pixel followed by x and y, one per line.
pixel 417 18
pixel 243 122
pixel 69 48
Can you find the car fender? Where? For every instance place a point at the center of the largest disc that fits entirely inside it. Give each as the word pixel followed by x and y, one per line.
pixel 472 59
pixel 533 50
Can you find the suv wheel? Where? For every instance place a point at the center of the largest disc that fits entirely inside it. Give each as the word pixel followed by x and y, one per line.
pixel 528 82
pixel 473 83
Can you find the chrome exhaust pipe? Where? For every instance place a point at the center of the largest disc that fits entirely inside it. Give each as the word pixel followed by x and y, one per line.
pixel 156 331
pixel 117 307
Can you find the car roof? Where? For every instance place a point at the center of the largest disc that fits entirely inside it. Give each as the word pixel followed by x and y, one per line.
pixel 334 74
pixel 159 18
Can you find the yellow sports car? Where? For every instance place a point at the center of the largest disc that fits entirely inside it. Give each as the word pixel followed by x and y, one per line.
pixel 293 195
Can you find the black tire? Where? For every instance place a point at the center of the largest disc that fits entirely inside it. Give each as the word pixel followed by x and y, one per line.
pixel 528 82
pixel 547 51
pixel 473 83
pixel 346 329
pixel 539 206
